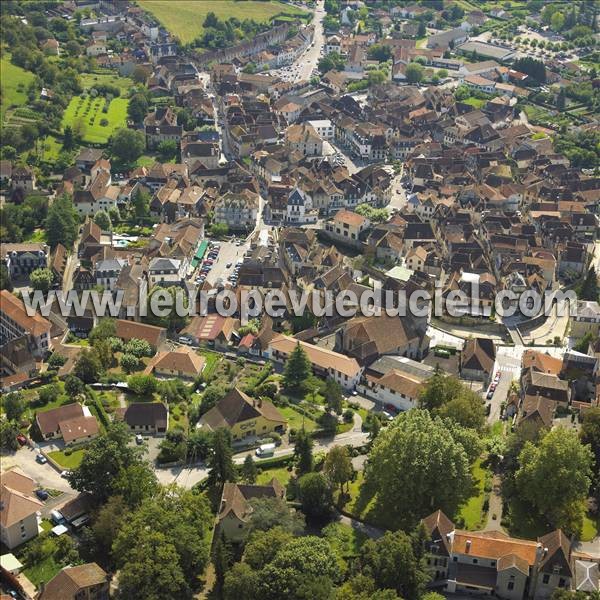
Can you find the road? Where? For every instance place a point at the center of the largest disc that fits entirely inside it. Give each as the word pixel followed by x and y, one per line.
pixel 308 61
pixel 190 476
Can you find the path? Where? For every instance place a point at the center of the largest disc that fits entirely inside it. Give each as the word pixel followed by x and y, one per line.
pixel 369 530
pixel 495 507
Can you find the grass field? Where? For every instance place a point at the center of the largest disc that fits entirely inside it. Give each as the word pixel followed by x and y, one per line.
pixel 14 85
pixel 184 18
pixel 472 512
pixel 280 473
pixel 105 77
pixel 295 419
pixel 87 115
pixel 71 461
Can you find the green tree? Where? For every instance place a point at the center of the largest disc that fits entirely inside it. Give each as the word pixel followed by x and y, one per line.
pixel 73 385
pixel 414 72
pixel 167 150
pixel 138 348
pixel 138 106
pixel 554 491
pixel 136 482
pixel 315 495
pixel 588 290
pixel 241 581
pixel 142 385
pixel 274 512
pixel 68 139
pixel 129 363
pixel 88 367
pixel 219 230
pixel 8 435
pixel 141 204
pixel 392 563
pixel 262 546
pixel 416 467
pixel 102 219
pixel 126 145
pixel 309 555
pixel 220 462
pixel 13 405
pixel 331 62
pixel 333 396
pixel 303 452
pixel 103 461
pixel 105 329
pixel 249 471
pixel 297 370
pixel 221 560
pixel 466 409
pixel 62 222
pixel 338 466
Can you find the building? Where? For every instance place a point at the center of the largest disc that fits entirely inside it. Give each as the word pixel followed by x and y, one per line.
pixel 237 211
pixel 182 363
pixel 166 271
pixel 346 226
pixel 587 319
pixel 244 416
pixel 325 363
pixel 73 423
pixel 16 323
pixel 129 330
pixel 477 359
pixel 304 139
pixel 18 509
pixel 235 509
pixel 83 582
pixel 324 128
pixel 212 330
pixel 491 563
pixel 147 417
pixel 22 259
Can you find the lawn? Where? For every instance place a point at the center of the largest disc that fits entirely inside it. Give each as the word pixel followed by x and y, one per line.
pixel 71 461
pixel 345 540
pixel 474 102
pixel 47 566
pixel 472 512
pixel 86 115
pixel 51 149
pixel 280 473
pixel 106 77
pixel 212 360
pixel 591 528
pixel 14 85
pixel 296 420
pixel 184 18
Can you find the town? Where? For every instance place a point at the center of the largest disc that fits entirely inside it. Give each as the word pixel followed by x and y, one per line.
pixel 206 155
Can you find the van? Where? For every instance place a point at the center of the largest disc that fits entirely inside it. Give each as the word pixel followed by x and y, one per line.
pixel 57 518
pixel 265 450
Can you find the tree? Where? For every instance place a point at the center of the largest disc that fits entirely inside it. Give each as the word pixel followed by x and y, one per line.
pixel 88 367
pixel 139 75
pixel 220 462
pixel 262 546
pixel 466 409
pixel 315 495
pixel 588 290
pixel 136 482
pixel 138 106
pixel 561 100
pixel 274 512
pixel 417 466
pixel 333 396
pixel 167 149
pixel 102 219
pixel 14 406
pixel 138 348
pixel 212 395
pixel 249 471
pixel 62 222
pixel 199 444
pixel 8 435
pixel 73 386
pixel 556 492
pixel 105 329
pixel 557 22
pixel 414 72
pixel 532 67
pixel 141 204
pixel 392 563
pixel 219 230
pixel 126 145
pixel 590 434
pixel 103 350
pixel 297 369
pixel 221 560
pixel 129 363
pixel 422 29
pixel 379 52
pixel 338 466
pixel 182 519
pixel 68 139
pixel 303 452
pixel 240 582
pixel 103 461
pixel 142 385
pixel 331 62
pixel 56 360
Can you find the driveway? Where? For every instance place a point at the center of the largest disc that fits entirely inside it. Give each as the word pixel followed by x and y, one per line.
pixel 44 475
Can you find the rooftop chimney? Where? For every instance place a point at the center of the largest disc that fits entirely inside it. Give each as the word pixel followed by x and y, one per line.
pixel 468 547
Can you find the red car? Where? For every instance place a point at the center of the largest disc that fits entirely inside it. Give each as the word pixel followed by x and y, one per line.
pixel 22 440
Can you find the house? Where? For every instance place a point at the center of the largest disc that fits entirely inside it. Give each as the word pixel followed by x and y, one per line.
pixel 51 47
pixel 537 411
pixel 22 259
pixel 477 359
pixel 547 385
pixel 23 178
pixel 235 509
pixel 87 158
pixel 237 211
pixel 147 417
pixel 586 320
pixel 16 323
pixel 325 363
pixel 18 509
pixel 244 416
pixel 73 423
pixel 212 330
pixel 166 271
pixel 182 363
pixel 129 330
pixel 304 139
pixel 491 563
pixel 6 168
pixel 83 582
pixel 396 381
pixel 346 226
pixel 161 126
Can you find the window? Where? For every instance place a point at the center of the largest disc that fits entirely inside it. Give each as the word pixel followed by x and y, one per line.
pixel 546 578
pixel 455 558
pixel 511 585
pixel 475 561
pixel 562 582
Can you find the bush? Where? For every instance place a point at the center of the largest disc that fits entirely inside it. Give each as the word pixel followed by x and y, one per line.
pixel 103 122
pixel 348 415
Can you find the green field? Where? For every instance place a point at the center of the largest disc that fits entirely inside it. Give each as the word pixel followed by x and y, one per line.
pixel 472 512
pixel 86 115
pixel 296 420
pixel 14 85
pixel 106 77
pixel 184 18
pixel 71 461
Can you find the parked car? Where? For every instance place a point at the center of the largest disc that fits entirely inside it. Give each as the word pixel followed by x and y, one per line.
pixel 43 495
pixel 22 440
pixel 64 474
pixel 139 439
pixel 40 458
